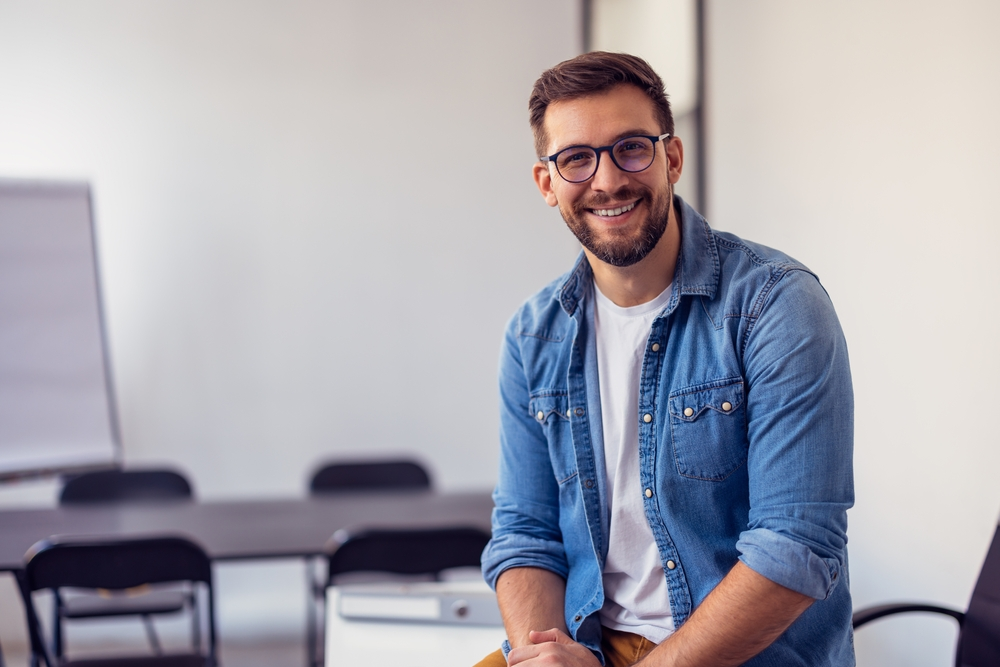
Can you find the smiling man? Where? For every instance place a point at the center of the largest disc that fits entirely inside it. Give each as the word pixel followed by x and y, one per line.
pixel 676 417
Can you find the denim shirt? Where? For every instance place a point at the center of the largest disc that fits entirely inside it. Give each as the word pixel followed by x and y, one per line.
pixel 745 440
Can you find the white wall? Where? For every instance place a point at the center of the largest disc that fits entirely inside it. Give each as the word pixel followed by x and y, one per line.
pixel 315 219
pixel 862 138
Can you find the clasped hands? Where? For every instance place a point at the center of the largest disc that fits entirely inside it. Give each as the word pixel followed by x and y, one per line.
pixel 552 648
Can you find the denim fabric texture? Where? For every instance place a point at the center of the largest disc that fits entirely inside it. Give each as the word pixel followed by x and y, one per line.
pixel 745 440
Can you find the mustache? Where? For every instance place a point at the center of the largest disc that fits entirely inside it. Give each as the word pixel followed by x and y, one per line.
pixel 601 200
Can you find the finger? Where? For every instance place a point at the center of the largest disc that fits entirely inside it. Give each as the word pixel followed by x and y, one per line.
pixel 552 635
pixel 541 636
pixel 521 654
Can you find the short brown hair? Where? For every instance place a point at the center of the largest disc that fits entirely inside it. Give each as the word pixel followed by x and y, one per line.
pixel 591 73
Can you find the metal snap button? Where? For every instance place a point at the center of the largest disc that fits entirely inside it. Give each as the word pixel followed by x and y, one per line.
pixel 647 418
pixel 655 347
pixel 671 564
pixel 727 406
pixel 649 493
pixel 688 412
pixel 579 412
pixel 540 416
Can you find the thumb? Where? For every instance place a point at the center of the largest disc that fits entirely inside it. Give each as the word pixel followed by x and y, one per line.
pixel 553 635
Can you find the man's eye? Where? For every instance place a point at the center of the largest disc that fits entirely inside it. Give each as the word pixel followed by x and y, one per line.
pixel 575 159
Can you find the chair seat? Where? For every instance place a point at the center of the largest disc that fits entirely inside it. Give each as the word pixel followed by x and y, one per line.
pixel 154 602
pixel 182 660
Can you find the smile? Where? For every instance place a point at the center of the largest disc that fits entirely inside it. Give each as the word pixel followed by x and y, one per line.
pixel 611 212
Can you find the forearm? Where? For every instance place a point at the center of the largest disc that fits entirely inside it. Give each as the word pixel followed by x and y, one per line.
pixel 530 599
pixel 738 620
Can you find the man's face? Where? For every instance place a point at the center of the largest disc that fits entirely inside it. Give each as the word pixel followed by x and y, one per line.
pixel 590 209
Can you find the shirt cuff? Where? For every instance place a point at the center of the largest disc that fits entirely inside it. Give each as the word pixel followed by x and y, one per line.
pixel 788 563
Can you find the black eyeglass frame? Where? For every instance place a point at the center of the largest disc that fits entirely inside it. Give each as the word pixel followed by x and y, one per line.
pixel 598 150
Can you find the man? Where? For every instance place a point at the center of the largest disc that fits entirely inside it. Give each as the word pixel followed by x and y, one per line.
pixel 676 417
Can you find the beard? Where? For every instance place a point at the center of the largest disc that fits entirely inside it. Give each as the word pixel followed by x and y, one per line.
pixel 621 247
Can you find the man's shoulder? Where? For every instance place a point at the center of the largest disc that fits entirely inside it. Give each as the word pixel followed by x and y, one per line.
pixel 756 279
pixel 749 271
pixel 734 249
pixel 714 263
pixel 543 314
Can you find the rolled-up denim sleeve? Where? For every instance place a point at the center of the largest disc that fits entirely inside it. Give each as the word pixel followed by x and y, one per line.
pixel 525 520
pixel 800 427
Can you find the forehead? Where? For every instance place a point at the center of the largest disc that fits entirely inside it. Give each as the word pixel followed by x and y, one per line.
pixel 600 119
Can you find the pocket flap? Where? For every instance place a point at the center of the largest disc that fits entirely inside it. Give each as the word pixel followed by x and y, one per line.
pixel 723 396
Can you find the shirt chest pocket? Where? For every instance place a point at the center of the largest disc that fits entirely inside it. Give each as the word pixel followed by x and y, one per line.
pixel 550 411
pixel 708 429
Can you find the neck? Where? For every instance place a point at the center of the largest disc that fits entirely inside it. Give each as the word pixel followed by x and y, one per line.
pixel 645 280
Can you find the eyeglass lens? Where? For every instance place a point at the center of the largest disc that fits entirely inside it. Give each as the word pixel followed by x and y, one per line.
pixel 579 163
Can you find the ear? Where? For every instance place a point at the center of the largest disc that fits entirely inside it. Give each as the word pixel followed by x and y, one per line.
pixel 543 179
pixel 675 159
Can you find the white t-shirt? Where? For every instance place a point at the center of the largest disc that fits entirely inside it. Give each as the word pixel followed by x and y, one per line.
pixel 635 589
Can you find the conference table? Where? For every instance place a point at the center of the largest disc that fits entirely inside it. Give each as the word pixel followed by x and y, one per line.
pixel 244 529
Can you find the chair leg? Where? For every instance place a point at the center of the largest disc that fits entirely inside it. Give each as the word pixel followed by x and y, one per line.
pixel 316 587
pixel 195 620
pixel 310 613
pixel 57 626
pixel 154 641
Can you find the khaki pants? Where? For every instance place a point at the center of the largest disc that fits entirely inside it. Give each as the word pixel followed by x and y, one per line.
pixel 621 649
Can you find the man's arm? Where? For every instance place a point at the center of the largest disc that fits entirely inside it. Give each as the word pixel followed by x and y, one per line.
pixel 738 620
pixel 530 598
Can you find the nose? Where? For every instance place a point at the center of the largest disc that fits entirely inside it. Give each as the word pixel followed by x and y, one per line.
pixel 608 177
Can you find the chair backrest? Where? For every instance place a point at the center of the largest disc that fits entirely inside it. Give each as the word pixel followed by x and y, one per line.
pixel 115 565
pixel 125 485
pixel 979 642
pixel 405 551
pixel 361 475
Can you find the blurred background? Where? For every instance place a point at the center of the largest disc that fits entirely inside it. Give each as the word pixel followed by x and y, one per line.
pixel 314 219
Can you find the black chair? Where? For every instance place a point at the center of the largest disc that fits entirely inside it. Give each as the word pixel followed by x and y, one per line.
pixel 119 565
pixel 122 486
pixel 978 626
pixel 354 476
pixel 413 552
pixel 106 486
pixel 369 475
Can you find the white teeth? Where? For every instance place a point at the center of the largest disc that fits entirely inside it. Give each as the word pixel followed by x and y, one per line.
pixel 608 212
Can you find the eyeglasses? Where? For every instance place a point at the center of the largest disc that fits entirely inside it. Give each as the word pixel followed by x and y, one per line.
pixel 577 164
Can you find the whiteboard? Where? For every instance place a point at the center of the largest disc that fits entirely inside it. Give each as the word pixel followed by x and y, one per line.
pixel 56 402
